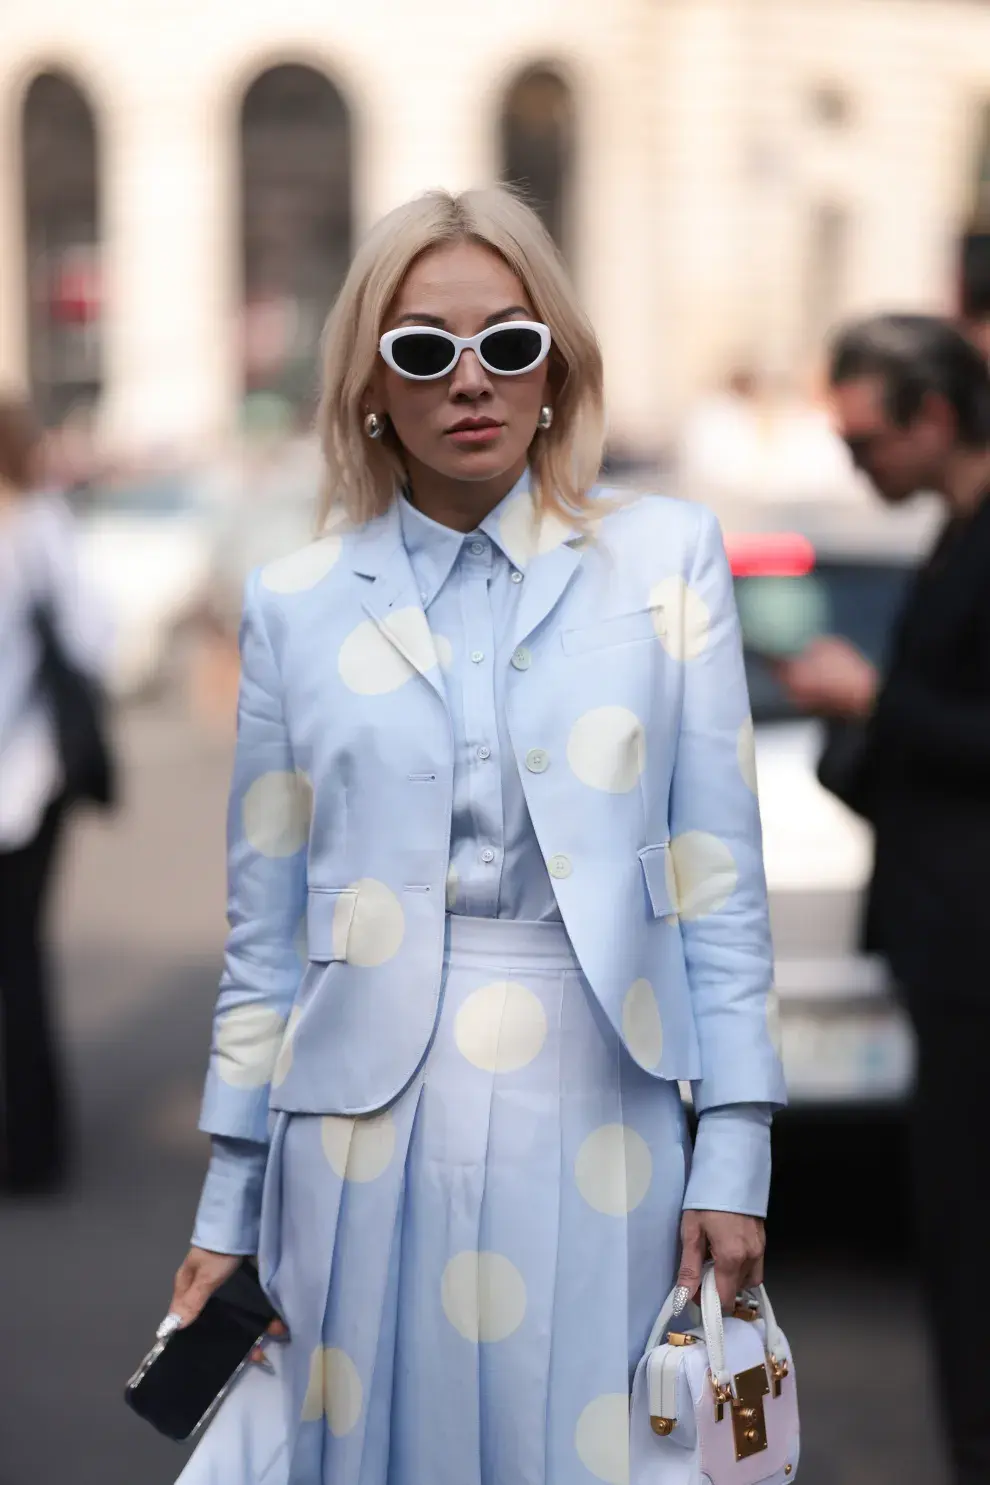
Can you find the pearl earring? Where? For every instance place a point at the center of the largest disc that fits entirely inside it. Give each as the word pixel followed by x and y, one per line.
pixel 545 419
pixel 374 426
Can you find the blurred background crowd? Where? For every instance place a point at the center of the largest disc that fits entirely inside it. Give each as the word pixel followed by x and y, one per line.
pixel 181 187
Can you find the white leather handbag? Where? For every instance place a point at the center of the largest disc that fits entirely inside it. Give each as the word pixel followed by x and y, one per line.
pixel 715 1403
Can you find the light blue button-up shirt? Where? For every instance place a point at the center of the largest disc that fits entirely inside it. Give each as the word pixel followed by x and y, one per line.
pixel 469 588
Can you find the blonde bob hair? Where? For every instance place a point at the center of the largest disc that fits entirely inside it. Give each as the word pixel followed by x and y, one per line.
pixel 361 475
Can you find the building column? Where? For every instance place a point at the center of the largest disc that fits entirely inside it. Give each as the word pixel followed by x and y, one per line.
pixel 170 233
pixel 13 268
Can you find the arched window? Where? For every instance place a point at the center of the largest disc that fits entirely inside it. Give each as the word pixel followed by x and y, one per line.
pixel 60 173
pixel 296 224
pixel 538 147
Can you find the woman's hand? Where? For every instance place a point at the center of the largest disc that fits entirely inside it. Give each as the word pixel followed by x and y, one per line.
pixel 201 1275
pixel 735 1242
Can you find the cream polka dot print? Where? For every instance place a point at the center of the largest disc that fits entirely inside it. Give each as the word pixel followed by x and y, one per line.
pixel 275 813
pixel 444 650
pixel 483 1296
pixel 283 1062
pixel 370 664
pixel 681 618
pixel 607 749
pixel 613 1170
pixel 501 1027
pixel 602 1438
pixel 334 1391
pixel 705 873
pixel 526 532
pixel 370 929
pixel 358 1150
pixel 247 1044
pixel 302 570
pixel 452 885
pixel 641 1024
pixel 746 754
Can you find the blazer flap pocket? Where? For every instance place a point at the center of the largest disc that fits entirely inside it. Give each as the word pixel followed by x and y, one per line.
pixel 329 914
pixel 658 873
pixel 622 629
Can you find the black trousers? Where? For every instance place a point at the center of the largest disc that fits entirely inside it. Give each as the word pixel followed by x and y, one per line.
pixel 32 1136
pixel 951 1157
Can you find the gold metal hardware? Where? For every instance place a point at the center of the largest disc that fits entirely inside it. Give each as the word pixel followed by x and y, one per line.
pixel 746 1311
pixel 662 1426
pixel 749 1427
pixel 681 1338
pixel 788 1469
pixel 722 1395
pixel 778 1370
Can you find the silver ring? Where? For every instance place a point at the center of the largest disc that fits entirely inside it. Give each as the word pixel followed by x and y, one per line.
pixel 169 1326
pixel 681 1296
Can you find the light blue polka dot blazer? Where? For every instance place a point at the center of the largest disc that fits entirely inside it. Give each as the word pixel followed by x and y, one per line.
pixel 628 714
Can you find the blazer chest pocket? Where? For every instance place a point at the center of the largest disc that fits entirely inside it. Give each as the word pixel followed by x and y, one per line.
pixel 623 629
pixel 329 915
pixel 658 875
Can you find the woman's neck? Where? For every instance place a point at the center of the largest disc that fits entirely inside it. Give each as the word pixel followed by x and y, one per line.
pixel 460 504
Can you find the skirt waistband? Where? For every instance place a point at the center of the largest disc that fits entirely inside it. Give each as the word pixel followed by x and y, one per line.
pixel 509 945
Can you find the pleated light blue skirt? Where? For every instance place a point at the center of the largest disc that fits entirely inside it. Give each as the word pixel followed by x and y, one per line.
pixel 470 1276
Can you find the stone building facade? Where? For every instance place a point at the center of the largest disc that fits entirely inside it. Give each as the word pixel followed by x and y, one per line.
pixel 732 175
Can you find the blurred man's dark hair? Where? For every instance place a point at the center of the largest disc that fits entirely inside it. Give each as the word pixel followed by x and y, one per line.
pixel 916 355
pixel 20 443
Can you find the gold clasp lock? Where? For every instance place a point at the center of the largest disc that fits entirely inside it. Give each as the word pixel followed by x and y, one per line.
pixel 681 1338
pixel 662 1426
pixel 722 1396
pixel 749 1425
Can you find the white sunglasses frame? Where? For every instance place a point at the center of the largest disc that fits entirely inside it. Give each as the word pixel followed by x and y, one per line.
pixel 461 344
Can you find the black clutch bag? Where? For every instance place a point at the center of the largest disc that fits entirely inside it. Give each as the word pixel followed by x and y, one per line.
pixel 184 1378
pixel 79 715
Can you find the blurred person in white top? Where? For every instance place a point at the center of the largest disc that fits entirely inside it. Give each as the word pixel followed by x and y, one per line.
pixel 38 566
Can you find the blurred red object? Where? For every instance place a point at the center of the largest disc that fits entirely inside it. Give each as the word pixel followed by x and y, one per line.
pixel 76 292
pixel 770 554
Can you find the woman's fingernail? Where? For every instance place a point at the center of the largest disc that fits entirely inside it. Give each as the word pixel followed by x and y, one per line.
pixel 265 1365
pixel 681 1296
pixel 281 1336
pixel 169 1326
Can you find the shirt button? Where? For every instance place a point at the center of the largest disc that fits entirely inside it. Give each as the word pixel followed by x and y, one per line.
pixel 477 656
pixel 484 754
pixel 488 855
pixel 478 548
pixel 522 659
pixel 537 761
pixel 516 576
pixel 560 867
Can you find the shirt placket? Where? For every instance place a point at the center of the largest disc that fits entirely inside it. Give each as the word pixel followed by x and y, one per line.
pixel 480 887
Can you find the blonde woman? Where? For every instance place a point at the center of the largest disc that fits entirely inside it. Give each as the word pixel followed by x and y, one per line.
pixel 495 887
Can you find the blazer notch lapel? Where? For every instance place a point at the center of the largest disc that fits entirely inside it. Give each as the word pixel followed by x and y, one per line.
pixel 547 579
pixel 393 603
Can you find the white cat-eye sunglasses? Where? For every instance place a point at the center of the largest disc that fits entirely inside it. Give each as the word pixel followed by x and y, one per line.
pixel 424 354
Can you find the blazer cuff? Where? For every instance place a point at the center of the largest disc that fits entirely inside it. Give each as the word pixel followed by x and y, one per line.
pixel 229 1214
pixel 730 1169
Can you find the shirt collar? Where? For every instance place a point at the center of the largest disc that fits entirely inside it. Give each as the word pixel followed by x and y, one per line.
pixel 433 548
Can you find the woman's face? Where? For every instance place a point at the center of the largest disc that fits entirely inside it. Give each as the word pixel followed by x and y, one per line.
pixel 464 288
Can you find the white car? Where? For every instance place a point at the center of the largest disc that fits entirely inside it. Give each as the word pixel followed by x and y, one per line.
pixel 844 1036
pixel 146 548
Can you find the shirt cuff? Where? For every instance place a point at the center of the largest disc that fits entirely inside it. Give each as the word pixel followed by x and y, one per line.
pixel 730 1169
pixel 229 1215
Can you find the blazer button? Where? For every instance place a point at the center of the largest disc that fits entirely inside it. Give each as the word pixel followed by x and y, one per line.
pixel 537 760
pixel 560 866
pixel 522 659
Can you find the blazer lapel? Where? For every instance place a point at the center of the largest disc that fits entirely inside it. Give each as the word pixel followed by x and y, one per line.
pixel 391 598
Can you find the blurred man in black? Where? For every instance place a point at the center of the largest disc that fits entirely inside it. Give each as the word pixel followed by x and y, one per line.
pixel 911 752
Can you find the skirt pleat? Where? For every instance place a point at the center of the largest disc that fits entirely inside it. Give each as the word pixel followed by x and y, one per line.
pixel 470 1276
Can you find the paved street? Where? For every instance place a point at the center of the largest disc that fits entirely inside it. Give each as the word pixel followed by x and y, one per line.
pixel 87 1277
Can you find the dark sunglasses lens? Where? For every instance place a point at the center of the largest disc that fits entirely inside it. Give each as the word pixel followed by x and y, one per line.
pixel 511 348
pixel 422 354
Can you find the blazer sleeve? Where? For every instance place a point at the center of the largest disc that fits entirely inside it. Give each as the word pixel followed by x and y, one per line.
pixel 267 835
pixel 717 849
